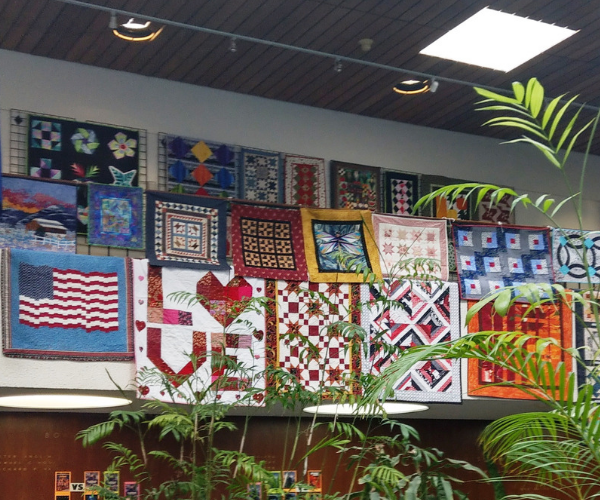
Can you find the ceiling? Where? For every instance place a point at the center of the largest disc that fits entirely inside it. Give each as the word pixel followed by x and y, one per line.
pixel 399 29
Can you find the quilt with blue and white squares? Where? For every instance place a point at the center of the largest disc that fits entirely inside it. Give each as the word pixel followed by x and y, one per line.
pixel 491 257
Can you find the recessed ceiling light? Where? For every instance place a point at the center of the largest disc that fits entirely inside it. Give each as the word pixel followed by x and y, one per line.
pixel 497 40
pixel 412 86
pixel 61 401
pixel 355 410
pixel 134 31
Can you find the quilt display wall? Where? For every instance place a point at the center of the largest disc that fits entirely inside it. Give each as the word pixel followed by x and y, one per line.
pixel 83 152
pixel 64 306
pixel 299 336
pixel 221 323
pixel 38 215
pixel 548 321
pixel 406 314
pixel 199 166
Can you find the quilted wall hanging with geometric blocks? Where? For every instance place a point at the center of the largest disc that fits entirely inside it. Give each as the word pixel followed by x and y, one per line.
pixel 355 186
pixel 66 306
pixel 587 343
pixel 300 339
pixel 569 249
pixel 406 314
pixel 180 344
pixel 460 208
pixel 268 242
pixel 547 321
pixel 186 231
pixel 305 181
pixel 490 257
pixel 263 178
pixel 400 192
pixel 339 243
pixel 401 240
pixel 83 152
pixel 198 166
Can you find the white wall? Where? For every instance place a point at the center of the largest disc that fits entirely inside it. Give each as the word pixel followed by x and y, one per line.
pixel 82 92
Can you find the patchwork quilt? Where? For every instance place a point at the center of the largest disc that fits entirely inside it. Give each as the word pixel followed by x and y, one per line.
pixel 576 255
pixel 405 314
pixel 305 181
pixel 400 192
pixel 263 178
pixel 588 344
pixel 355 186
pixel 214 345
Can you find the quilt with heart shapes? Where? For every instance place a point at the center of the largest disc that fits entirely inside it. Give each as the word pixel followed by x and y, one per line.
pixel 212 345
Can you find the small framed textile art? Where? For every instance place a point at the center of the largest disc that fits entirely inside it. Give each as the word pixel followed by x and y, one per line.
pixel 38 214
pixel 354 186
pixel 442 207
pixel 268 242
pixel 263 178
pixel 339 245
pixel 568 249
pixel 65 306
pixel 549 321
pixel 490 257
pixel 186 231
pixel 587 343
pixel 116 216
pixel 305 181
pixel 400 192
pixel 83 152
pixel 401 240
pixel 404 314
pixel 197 166
pixel 498 212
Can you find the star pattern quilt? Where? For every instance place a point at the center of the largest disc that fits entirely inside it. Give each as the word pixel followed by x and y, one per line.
pixel 402 239
pixel 221 331
pixel 339 244
pixel 66 306
pixel 263 178
pixel 268 242
pixel 489 258
pixel 186 231
pixel 568 249
pixel 547 321
pixel 299 340
pixel 404 314
pixel 305 181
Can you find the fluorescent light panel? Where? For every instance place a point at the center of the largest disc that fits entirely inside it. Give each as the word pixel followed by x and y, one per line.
pixel 497 40
pixel 352 409
pixel 61 401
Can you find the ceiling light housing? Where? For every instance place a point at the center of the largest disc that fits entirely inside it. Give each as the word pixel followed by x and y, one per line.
pixel 135 31
pixel 61 401
pixel 412 86
pixel 497 40
pixel 348 409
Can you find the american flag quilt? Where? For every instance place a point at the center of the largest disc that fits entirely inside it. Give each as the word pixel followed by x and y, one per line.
pixel 61 306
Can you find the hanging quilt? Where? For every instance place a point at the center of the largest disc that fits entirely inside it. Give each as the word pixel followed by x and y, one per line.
pixel 186 231
pixel 402 239
pixel 38 215
pixel 64 306
pixel 299 341
pixel 214 344
pixel 305 181
pixel 116 216
pixel 197 166
pixel 547 321
pixel 83 152
pixel 499 212
pixel 355 186
pixel 491 257
pixel 263 176
pixel 268 243
pixel 568 248
pixel 587 342
pixel 444 207
pixel 406 314
pixel 339 245
pixel 400 192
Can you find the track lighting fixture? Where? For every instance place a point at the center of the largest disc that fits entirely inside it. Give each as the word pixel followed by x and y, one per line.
pixel 233 44
pixel 112 24
pixel 434 86
pixel 338 66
